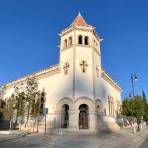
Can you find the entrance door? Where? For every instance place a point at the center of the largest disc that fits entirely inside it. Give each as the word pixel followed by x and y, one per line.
pixel 83 116
pixel 65 119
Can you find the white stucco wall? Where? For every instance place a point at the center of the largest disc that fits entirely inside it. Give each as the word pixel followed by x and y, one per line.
pixel 86 84
pixel 83 81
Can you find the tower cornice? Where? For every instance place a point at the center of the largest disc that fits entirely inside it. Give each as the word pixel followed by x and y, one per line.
pixel 81 28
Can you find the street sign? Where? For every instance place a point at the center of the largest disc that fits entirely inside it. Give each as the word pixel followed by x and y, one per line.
pixel 45 110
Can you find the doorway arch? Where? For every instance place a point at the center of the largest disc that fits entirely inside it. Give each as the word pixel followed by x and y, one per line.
pixel 83 116
pixel 65 116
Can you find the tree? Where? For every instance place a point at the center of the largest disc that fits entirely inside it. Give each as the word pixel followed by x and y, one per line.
pixel 7 111
pixel 144 96
pixel 2 104
pixel 1 92
pixel 35 111
pixel 2 109
pixel 145 117
pixel 134 108
pixel 41 105
pixel 19 98
pixel 127 107
pixel 10 107
pixel 32 93
pixel 25 102
pixel 138 107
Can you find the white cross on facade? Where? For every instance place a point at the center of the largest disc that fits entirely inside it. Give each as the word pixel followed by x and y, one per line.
pixel 97 71
pixel 83 65
pixel 66 67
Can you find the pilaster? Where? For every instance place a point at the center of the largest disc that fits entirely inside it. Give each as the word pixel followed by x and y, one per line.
pixel 93 120
pixel 73 119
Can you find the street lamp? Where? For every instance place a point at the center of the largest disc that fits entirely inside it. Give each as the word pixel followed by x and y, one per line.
pixel 134 78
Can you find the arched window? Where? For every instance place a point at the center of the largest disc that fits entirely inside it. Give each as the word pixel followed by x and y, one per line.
pixel 80 39
pixel 65 43
pixel 70 41
pixel 86 40
pixel 111 106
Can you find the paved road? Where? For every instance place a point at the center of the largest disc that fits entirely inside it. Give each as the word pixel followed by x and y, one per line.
pixel 106 140
pixel 144 144
pixel 102 140
pixel 23 142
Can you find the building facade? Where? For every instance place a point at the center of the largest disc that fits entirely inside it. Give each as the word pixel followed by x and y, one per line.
pixel 80 95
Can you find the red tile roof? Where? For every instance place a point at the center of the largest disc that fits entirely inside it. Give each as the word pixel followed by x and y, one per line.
pixel 79 21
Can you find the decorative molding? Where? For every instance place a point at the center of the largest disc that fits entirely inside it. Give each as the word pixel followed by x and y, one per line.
pixel 82 45
pixel 65 48
pixel 66 31
pixel 88 28
pixel 47 72
pixel 106 77
pixel 96 51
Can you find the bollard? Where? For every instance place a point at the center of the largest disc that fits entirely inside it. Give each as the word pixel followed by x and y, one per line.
pixel 60 132
pixel 134 130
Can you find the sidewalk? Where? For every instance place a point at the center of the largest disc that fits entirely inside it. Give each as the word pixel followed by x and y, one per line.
pixel 10 135
pixel 125 138
pixel 134 140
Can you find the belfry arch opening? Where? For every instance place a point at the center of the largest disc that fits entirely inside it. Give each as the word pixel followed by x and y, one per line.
pixel 80 39
pixel 83 116
pixel 70 41
pixel 86 40
pixel 65 116
pixel 65 43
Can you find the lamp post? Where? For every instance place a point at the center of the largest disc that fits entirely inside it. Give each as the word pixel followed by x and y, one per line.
pixel 133 79
pixel 45 113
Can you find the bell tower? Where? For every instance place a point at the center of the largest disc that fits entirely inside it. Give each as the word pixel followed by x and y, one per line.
pixel 80 58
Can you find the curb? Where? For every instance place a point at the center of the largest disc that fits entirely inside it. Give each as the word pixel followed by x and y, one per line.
pixel 13 137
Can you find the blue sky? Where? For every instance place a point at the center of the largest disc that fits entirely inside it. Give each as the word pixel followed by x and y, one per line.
pixel 29 36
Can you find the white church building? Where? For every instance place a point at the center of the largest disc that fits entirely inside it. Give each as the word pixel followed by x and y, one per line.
pixel 80 94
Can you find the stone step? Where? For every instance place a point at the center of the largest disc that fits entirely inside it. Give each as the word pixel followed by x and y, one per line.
pixel 72 131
